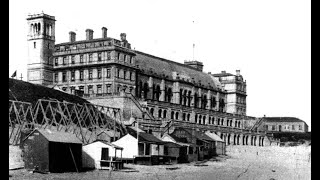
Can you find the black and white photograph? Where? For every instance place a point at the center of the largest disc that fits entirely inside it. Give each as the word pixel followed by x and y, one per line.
pixel 160 90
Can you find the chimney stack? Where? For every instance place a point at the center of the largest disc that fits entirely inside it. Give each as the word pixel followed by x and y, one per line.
pixel 104 32
pixel 238 72
pixel 89 34
pixel 123 37
pixel 72 36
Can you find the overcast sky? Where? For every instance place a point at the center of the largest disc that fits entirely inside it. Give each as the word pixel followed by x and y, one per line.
pixel 269 41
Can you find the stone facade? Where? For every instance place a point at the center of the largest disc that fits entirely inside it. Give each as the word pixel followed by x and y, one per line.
pixel 153 90
pixel 283 124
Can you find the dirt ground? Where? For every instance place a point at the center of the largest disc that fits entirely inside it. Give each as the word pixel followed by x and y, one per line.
pixel 280 163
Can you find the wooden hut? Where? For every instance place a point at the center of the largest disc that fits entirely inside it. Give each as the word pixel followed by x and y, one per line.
pixel 219 143
pixel 52 151
pixel 100 154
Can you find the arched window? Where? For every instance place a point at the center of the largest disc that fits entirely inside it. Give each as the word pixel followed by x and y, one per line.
pixel 238 123
pixel 227 122
pixel 164 113
pixel 172 114
pixel 184 116
pixel 204 120
pixel 213 102
pixel 200 117
pixel 212 121
pixel 189 98
pixel 39 28
pixel 204 101
pixel 180 95
pixel 196 118
pixel 177 115
pixel 159 113
pixel 195 100
pixel 145 90
pixel 151 111
pixel 169 95
pixel 222 121
pixel 188 117
pixel 209 119
pixel 230 123
pixel 185 97
pixel 218 121
pixel 158 91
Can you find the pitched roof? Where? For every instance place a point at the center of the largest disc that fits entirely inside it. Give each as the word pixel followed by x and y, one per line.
pixel 282 119
pixel 144 137
pixel 107 143
pixel 167 67
pixel 57 136
pixel 199 135
pixel 214 136
pixel 171 144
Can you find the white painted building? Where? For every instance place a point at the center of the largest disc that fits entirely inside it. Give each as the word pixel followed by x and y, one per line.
pixel 99 150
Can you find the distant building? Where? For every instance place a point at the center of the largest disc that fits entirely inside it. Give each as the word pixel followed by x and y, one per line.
pixel 283 124
pixel 236 89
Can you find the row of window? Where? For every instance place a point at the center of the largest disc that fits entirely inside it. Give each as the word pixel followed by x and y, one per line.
pixel 92 57
pixel 71 75
pixel 98 89
pixel 185 97
pixel 285 127
pixel 199 119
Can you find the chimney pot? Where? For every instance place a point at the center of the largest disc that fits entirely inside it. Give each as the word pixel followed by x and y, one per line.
pixel 89 34
pixel 123 36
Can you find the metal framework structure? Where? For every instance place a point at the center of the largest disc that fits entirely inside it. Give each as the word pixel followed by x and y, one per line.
pixel 85 120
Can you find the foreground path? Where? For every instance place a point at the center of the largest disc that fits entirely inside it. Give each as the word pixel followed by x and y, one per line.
pixel 241 163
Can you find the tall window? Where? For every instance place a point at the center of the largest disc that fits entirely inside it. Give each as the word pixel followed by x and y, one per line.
pixel 81 75
pixel 124 74
pixel 108 73
pixel 65 61
pixel 34 45
pixel 108 88
pixel 64 77
pixel 118 73
pixel 99 89
pixel 81 58
pixel 99 56
pixel 124 58
pixel 56 63
pixel 130 59
pixel 72 76
pixel 108 56
pixel 99 74
pixel 90 74
pixel 131 76
pixel 56 77
pixel 72 60
pixel 90 57
pixel 118 56
pixel 90 89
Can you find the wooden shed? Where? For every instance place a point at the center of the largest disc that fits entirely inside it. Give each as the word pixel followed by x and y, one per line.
pixel 95 153
pixel 220 144
pixel 51 151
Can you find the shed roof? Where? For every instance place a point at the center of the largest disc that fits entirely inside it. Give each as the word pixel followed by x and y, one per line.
pixel 171 144
pixel 56 136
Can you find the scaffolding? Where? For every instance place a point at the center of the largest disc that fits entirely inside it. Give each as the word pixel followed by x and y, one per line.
pixel 84 120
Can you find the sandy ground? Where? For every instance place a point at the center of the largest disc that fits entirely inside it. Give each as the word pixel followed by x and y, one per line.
pixel 241 163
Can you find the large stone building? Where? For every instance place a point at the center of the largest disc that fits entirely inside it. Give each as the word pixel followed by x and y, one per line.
pixel 160 93
pixel 283 124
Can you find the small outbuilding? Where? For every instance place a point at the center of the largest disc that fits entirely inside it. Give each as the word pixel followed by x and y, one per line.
pixel 52 151
pixel 219 143
pixel 99 152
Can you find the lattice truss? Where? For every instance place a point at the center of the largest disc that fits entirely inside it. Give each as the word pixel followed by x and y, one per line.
pixel 85 121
